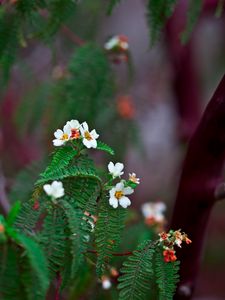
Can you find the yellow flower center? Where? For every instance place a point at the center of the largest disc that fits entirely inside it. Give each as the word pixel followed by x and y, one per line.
pixel 87 136
pixel 65 137
pixel 118 194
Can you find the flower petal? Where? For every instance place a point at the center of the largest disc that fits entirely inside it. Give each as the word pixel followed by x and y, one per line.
pixel 74 124
pixel 119 166
pixel 87 143
pixel 48 189
pixel 67 129
pixel 58 133
pixel 94 134
pixel 58 143
pixel 85 126
pixel 113 202
pixel 124 202
pixel 93 143
pixel 119 186
pixel 111 167
pixel 128 190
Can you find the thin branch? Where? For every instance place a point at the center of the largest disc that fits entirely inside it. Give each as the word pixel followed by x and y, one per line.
pixel 72 36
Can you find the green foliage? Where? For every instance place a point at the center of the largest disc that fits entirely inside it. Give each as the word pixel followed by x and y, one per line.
pixel 137 273
pixel 60 159
pixel 158 12
pixel 166 276
pixel 9 41
pixel 79 230
pixel 109 228
pixel 102 146
pixel 53 240
pixel 25 19
pixel 111 6
pixel 59 12
pixel 63 173
pixel 23 272
pixel 195 7
pixel 36 274
pixel 90 81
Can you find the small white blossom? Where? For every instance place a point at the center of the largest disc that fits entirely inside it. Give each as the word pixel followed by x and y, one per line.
pixel 118 195
pixel 55 189
pixel 62 136
pixel 106 283
pixel 115 169
pixel 120 41
pixel 74 129
pixel 89 138
pixel 154 210
pixel 133 178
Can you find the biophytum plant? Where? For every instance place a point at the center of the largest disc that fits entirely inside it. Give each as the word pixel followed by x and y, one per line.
pixel 74 218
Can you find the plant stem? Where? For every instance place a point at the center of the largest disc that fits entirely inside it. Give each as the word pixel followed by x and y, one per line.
pixel 58 284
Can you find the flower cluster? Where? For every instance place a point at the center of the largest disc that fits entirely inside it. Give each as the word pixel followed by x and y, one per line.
pixel 117 42
pixel 153 213
pixel 118 193
pixel 171 239
pixel 106 279
pixel 74 130
pixel 117 47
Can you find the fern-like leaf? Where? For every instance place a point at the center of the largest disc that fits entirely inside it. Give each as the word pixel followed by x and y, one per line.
pixel 166 276
pixel 137 273
pixel 72 171
pixel 111 6
pixel 102 146
pixel 194 9
pixel 53 240
pixel 60 159
pixel 158 12
pixel 79 231
pixel 109 228
pixel 36 280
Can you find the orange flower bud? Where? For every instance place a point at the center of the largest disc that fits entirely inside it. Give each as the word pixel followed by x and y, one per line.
pixel 2 228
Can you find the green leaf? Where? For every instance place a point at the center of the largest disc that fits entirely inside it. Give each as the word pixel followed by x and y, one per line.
pixel 13 213
pixel 104 147
pixel 137 272
pixel 79 231
pixel 112 5
pixel 158 12
pixel 167 276
pixel 38 264
pixel 194 10
pixel 72 171
pixel 108 232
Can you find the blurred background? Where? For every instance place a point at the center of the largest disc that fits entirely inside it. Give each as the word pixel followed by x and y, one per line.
pixel 145 106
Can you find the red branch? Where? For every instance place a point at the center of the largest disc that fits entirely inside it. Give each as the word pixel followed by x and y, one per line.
pixel 198 187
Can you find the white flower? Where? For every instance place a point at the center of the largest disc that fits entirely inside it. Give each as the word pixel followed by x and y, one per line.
pixel 133 178
pixel 154 210
pixel 118 195
pixel 89 138
pixel 115 170
pixel 74 129
pixel 55 189
pixel 120 41
pixel 62 136
pixel 106 283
